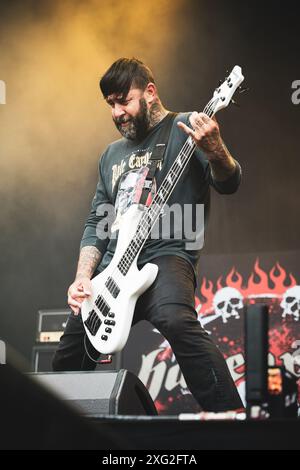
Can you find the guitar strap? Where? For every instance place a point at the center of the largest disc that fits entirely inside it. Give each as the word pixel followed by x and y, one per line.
pixel 157 156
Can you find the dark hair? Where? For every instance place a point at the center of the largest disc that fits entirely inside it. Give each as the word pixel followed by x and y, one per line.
pixel 124 73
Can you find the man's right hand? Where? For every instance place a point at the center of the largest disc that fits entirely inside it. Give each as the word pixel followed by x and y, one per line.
pixel 77 292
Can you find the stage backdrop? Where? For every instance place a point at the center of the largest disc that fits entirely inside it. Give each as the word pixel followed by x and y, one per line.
pixel 227 284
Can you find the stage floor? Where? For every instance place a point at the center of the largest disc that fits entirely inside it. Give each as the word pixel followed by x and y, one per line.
pixel 157 433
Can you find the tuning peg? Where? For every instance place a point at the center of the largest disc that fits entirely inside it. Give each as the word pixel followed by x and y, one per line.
pixel 243 90
pixel 235 103
pixel 226 77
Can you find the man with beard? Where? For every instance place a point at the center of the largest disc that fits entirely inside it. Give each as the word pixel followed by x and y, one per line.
pixel 129 89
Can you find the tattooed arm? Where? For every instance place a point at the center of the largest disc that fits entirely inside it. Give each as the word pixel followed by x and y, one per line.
pixel 225 170
pixel 89 259
pixel 206 134
pixel 222 163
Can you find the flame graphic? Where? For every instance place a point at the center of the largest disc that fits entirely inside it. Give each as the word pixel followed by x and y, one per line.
pixel 272 284
pixel 208 293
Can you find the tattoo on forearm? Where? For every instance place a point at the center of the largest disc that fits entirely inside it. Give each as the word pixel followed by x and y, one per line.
pixel 223 165
pixel 89 259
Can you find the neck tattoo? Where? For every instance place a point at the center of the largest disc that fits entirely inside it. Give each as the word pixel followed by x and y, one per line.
pixel 157 113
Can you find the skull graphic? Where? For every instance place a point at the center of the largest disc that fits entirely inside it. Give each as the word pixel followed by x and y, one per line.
pixel 291 302
pixel 227 303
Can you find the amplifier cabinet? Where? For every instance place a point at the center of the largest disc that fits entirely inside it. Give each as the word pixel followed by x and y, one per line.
pixel 51 325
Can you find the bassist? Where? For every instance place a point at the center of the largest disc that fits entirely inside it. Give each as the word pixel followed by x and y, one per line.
pixel 129 89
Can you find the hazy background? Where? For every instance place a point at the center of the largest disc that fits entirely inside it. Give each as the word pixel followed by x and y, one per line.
pixel 55 125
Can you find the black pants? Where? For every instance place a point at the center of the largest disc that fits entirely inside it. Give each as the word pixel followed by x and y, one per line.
pixel 169 305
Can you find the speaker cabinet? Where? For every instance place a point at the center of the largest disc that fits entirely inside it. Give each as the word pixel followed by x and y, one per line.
pixel 42 357
pixel 100 393
pixel 33 418
pixel 256 348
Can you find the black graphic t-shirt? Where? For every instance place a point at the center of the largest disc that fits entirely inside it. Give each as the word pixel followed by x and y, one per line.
pixel 122 171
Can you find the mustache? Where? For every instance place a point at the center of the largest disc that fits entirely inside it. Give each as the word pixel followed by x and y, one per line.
pixel 122 120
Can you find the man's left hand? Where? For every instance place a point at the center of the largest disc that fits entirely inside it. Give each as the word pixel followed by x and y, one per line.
pixel 206 134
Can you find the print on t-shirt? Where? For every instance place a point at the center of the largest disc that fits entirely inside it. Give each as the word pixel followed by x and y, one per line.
pixel 129 192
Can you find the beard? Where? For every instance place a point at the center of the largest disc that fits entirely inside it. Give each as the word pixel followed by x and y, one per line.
pixel 138 126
